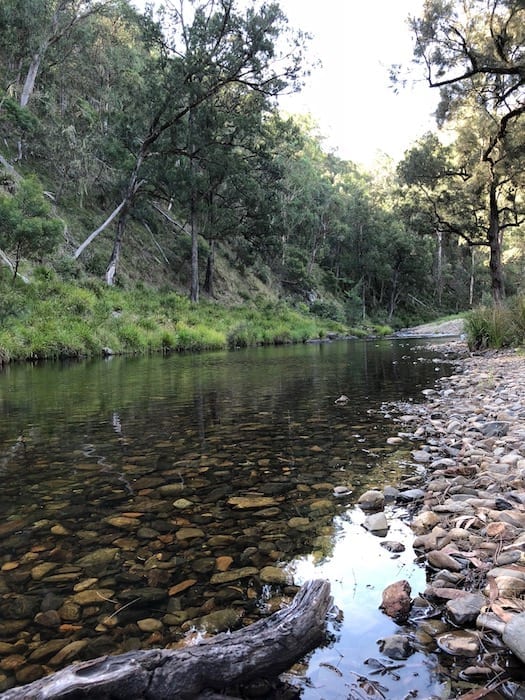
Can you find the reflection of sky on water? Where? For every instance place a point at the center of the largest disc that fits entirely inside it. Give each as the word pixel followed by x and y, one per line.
pixel 359 569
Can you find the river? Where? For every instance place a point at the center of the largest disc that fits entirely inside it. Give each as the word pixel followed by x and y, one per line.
pixel 143 498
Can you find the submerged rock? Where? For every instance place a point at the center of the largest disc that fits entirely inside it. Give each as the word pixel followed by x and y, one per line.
pixel 397 647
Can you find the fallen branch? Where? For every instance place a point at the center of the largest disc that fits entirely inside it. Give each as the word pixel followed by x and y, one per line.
pixel 93 235
pixel 262 650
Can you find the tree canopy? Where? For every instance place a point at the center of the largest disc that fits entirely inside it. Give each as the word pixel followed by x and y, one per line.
pixel 158 140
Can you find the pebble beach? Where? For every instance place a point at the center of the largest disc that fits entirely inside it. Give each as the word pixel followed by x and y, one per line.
pixel 467 512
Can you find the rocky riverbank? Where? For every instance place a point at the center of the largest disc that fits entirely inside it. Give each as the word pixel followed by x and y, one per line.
pixel 467 508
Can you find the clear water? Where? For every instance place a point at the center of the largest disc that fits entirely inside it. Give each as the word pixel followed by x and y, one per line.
pixel 86 442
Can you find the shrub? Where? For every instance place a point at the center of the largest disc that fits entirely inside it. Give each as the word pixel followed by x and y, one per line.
pixel 490 327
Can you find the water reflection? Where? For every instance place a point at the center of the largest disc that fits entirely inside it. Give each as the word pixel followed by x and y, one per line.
pixel 146 496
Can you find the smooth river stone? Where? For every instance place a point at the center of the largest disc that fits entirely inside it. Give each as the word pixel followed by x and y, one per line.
pixel 371 500
pixel 93 596
pixel 47 649
pixel 249 502
pixel 218 621
pixel 85 584
pixel 223 563
pixel 182 586
pixel 50 619
pixel 182 504
pixel 39 571
pixel 60 530
pixel 149 624
pixel 188 533
pixel 465 609
pixel 98 560
pixel 298 523
pixel 459 643
pixel 272 574
pixel 441 560
pixel 122 522
pixel 68 653
pixel 234 575
pixel 376 523
pixel 221 540
pixel 321 506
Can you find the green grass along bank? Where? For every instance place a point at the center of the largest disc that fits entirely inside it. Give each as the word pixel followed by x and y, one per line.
pixel 49 318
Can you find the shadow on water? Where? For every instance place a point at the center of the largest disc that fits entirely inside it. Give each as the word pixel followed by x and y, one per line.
pixel 145 497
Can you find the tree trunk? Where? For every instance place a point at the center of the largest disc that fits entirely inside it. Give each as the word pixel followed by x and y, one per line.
pixel 114 260
pixel 494 238
pixel 262 650
pixel 210 267
pixel 194 288
pixel 93 235
pixel 32 72
pixel 472 279
pixel 439 266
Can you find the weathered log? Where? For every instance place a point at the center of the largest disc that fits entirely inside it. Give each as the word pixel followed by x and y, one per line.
pixel 261 650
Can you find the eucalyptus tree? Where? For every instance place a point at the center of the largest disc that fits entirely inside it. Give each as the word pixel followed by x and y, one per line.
pixel 29 28
pixel 474 53
pixel 203 49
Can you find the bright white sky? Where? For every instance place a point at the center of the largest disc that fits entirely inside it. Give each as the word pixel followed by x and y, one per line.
pixel 350 96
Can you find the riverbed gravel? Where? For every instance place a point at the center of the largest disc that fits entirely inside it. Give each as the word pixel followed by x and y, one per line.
pixel 467 510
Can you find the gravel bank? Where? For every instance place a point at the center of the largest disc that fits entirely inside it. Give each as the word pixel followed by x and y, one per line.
pixel 468 516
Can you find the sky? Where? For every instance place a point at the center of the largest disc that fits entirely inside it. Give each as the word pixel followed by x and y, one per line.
pixel 350 94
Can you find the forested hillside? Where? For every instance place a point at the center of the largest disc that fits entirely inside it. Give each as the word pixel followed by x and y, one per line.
pixel 148 148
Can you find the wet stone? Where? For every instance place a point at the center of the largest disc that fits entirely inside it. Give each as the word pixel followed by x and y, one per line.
pixel 93 596
pixel 464 610
pixel 396 601
pixel 273 575
pixel 459 643
pixel 234 575
pixel 397 646
pixel 441 560
pixel 219 620
pixel 392 546
pixel 203 565
pixel 371 500
pixel 98 561
pixel 149 625
pixel 189 533
pixel 50 618
pixel 47 649
pixel 29 673
pixel 376 523
pixel 68 653
pixel 41 570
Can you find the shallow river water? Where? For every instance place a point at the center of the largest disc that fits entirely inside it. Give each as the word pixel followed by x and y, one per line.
pixel 145 498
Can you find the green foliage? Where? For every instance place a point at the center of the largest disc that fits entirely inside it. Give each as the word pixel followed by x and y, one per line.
pixel 27 227
pixel 328 309
pixel 51 319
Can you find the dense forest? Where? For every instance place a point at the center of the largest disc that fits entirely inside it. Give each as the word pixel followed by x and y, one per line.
pixel 147 148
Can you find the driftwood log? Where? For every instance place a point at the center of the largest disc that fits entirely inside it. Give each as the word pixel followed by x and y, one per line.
pixel 261 650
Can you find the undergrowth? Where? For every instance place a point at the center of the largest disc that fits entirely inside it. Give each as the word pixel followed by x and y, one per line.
pixel 50 319
pixel 497 326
